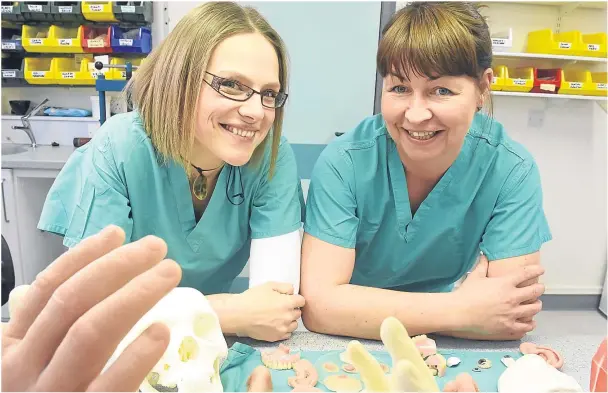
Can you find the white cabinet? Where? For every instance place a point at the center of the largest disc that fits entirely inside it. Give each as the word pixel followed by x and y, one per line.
pixel 23 194
pixel 9 228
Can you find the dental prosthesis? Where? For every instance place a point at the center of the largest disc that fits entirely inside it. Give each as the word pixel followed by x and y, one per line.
pixel 280 359
pixel 428 350
pixel 192 360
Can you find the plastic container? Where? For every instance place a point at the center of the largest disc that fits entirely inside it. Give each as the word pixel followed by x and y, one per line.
pixel 74 71
pixel 11 40
pixel 138 40
pixel 502 41
pixel 133 11
pixel 38 71
pixel 37 39
pixel 547 81
pixel 39 11
pixel 576 82
pixel 498 81
pixel 11 10
pixel 98 11
pixel 96 39
pixel 598 84
pixel 594 45
pixel 12 69
pixel 545 41
pixel 66 39
pixel 67 11
pixel 119 74
pixel 519 79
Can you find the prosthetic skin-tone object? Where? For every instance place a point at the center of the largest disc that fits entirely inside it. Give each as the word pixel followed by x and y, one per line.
pixel 531 373
pixel 552 357
pixel 280 358
pixel 342 383
pixel 306 374
pixel 426 346
pixel 598 381
pixel 463 383
pixel 197 347
pixel 330 367
pixel 410 372
pixel 260 380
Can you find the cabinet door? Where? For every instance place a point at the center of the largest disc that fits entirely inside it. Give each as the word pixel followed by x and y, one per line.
pixel 9 228
pixel 38 248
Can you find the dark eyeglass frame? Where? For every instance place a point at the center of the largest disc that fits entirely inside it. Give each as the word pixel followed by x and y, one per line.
pixel 217 81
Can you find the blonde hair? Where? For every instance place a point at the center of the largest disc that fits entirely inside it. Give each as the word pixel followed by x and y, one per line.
pixel 435 39
pixel 165 89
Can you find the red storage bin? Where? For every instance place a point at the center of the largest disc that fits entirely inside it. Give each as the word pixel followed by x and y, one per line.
pixel 96 39
pixel 547 80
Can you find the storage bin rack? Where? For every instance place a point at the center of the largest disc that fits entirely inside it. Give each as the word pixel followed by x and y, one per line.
pixel 570 43
pixel 59 39
pixel 36 11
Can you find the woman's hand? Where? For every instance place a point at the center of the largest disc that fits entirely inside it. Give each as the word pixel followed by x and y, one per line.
pixel 69 321
pixel 268 312
pixel 496 306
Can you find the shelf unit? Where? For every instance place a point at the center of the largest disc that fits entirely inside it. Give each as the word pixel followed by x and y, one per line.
pixel 541 95
pixel 540 56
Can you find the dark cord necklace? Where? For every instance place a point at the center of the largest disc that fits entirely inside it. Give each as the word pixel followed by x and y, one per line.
pixel 199 185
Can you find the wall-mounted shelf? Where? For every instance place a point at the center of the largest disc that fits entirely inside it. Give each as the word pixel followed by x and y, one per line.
pixel 522 55
pixel 52 118
pixel 541 95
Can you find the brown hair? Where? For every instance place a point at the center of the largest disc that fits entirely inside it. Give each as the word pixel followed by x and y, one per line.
pixel 434 39
pixel 165 89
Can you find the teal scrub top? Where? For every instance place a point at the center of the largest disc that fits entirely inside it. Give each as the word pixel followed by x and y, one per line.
pixel 118 178
pixel 490 199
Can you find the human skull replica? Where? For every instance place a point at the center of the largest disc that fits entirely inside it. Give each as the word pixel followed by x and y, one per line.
pixel 192 360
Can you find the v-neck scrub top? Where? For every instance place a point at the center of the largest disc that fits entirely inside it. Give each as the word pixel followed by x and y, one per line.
pixel 118 178
pixel 490 199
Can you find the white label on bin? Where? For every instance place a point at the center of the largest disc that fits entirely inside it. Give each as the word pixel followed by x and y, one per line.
pixel 9 74
pixel 68 75
pixel 95 74
pixel 95 43
pixel 65 10
pixel 520 82
pixel 499 41
pixel 547 87
pixel 601 86
pixel 565 45
pixel 65 41
pixel 95 7
pixel 593 47
pixel 575 85
pixel 7 9
pixel 9 45
pixel 125 42
pixel 35 41
pixel 38 74
pixel 37 8
pixel 127 9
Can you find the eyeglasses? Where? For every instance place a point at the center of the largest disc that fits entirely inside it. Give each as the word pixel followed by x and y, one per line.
pixel 237 91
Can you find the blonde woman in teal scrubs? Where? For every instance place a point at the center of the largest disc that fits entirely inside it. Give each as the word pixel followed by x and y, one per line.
pixel 400 207
pixel 201 164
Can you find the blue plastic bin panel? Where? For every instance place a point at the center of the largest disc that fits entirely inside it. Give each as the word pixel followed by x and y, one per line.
pixel 140 43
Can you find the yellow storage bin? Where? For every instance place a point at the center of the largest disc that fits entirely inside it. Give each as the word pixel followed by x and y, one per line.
pixel 39 71
pixel 499 78
pixel 545 41
pixel 598 84
pixel 36 39
pixel 74 71
pixel 594 45
pixel 119 74
pixel 519 79
pixel 575 82
pixel 98 11
pixel 66 39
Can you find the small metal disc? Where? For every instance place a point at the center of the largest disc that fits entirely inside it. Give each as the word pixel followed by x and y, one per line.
pixel 484 363
pixel 453 361
pixel 476 370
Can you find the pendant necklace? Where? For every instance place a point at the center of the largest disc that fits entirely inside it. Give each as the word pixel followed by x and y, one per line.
pixel 199 185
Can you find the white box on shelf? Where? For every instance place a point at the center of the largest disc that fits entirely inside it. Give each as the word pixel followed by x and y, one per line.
pixel 502 41
pixel 95 106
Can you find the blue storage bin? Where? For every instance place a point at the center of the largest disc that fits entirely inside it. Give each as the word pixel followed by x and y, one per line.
pixel 136 40
pixel 11 40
